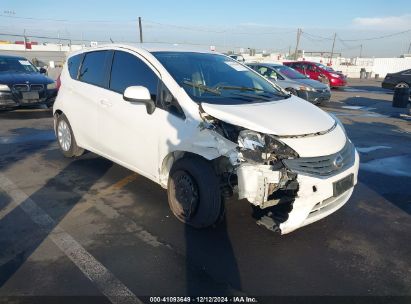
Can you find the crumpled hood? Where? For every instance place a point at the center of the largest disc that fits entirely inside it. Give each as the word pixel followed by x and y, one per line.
pixel 288 117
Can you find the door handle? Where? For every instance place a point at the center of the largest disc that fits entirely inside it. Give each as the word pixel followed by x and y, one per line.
pixel 105 103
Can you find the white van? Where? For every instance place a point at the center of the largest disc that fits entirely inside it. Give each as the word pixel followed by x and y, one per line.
pixel 204 127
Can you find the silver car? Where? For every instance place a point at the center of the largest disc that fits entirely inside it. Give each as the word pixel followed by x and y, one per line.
pixel 294 82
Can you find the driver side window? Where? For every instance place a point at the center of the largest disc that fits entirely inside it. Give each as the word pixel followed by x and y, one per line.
pixel 128 70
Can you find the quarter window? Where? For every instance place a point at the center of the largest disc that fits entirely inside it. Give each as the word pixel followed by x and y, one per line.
pixel 73 65
pixel 93 69
pixel 128 70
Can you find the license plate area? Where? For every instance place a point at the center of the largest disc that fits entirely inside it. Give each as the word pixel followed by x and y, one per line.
pixel 30 96
pixel 339 187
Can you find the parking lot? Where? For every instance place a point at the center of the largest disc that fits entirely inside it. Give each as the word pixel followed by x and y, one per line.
pixel 88 227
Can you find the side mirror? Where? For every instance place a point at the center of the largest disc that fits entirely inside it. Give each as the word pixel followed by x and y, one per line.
pixel 43 71
pixel 140 94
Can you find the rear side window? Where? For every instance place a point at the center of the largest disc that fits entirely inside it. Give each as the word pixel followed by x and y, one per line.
pixel 128 70
pixel 73 65
pixel 93 69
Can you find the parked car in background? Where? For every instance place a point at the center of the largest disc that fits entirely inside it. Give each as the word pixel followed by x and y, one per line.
pixel 22 84
pixel 294 82
pixel 399 79
pixel 320 72
pixel 239 58
pixel 204 127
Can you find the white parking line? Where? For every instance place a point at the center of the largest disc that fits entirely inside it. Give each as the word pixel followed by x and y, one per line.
pixel 105 281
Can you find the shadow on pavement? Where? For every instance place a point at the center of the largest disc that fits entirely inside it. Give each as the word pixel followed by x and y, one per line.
pixel 388 181
pixel 18 242
pixel 26 114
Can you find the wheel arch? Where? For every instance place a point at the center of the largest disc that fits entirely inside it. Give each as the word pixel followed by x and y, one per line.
pixel 56 115
pixel 167 163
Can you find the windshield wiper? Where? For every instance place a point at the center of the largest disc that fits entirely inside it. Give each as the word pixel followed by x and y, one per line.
pixel 202 87
pixel 250 89
pixel 238 88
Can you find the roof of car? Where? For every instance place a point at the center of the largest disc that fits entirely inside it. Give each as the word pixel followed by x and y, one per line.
pixel 265 64
pixel 301 61
pixel 147 47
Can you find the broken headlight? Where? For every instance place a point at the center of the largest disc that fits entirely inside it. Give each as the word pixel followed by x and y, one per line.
pixel 263 148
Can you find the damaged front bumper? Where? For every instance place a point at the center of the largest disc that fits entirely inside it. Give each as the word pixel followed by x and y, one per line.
pixel 291 200
pixel 316 198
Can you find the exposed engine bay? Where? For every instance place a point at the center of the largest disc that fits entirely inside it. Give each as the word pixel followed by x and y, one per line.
pixel 256 172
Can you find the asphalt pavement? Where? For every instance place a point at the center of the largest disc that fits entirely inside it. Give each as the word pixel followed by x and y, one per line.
pixel 88 227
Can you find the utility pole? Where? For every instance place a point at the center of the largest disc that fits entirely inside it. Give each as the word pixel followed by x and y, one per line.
pixel 289 51
pixel 25 40
pixel 361 50
pixel 299 31
pixel 332 50
pixel 141 29
pixel 409 49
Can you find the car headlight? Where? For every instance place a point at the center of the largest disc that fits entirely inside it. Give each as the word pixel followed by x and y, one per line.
pixel 51 86
pixel 304 88
pixel 335 75
pixel 260 148
pixel 4 87
pixel 250 140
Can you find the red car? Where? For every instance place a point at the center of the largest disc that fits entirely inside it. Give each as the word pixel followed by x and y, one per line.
pixel 320 72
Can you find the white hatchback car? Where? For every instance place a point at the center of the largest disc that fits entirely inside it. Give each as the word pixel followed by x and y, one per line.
pixel 204 127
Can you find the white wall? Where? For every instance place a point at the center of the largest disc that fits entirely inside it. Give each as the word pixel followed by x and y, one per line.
pixel 12 47
pixel 380 66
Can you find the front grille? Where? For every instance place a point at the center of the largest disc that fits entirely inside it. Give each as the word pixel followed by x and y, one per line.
pixel 322 90
pixel 28 87
pixel 22 87
pixel 324 165
pixel 36 87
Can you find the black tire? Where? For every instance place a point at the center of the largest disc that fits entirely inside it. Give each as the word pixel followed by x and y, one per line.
pixel 194 194
pixel 74 150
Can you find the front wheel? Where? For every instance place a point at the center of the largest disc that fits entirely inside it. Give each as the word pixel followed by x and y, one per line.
pixel 66 139
pixel 194 194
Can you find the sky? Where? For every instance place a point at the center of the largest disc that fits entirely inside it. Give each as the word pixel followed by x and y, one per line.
pixel 226 24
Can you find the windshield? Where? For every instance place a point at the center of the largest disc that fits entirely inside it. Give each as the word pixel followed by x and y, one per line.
pixel 217 79
pixel 324 67
pixel 20 65
pixel 289 72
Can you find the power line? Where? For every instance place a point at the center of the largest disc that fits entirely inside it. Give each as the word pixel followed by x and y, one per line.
pixel 319 38
pixel 208 30
pixel 379 37
pixel 67 20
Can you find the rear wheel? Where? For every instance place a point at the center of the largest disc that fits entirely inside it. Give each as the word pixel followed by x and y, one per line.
pixel 194 194
pixel 65 137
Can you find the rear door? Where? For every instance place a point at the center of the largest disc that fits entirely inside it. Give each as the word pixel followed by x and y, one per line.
pixel 86 94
